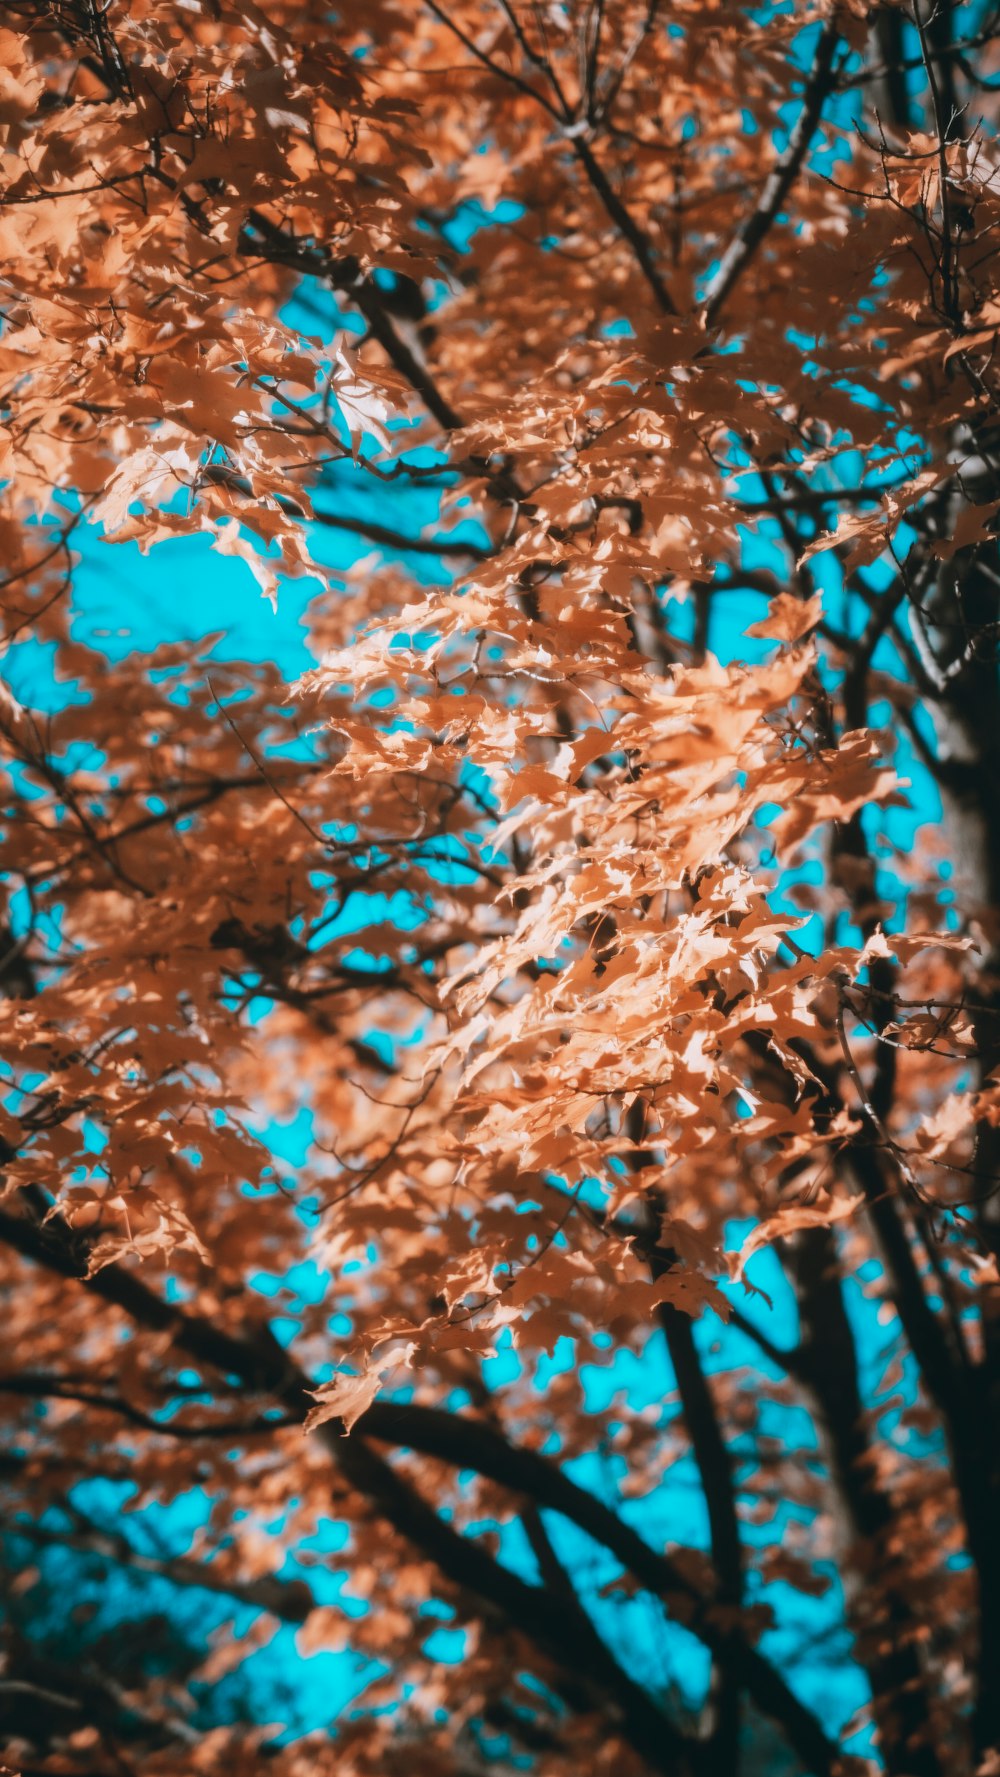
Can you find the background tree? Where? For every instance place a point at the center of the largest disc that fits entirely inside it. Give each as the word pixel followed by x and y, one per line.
pixel 575 903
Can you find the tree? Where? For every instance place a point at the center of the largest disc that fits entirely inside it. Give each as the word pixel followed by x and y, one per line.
pixel 576 900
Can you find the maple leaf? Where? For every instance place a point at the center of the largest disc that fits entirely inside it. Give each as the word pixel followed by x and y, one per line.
pixel 344 1398
pixel 788 618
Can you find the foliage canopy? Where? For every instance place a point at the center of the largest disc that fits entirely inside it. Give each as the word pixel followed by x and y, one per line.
pixel 571 898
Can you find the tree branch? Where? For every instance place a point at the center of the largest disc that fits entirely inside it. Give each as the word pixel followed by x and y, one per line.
pixel 262 1365
pixel 758 224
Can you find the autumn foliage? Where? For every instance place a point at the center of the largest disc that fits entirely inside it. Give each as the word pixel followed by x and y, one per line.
pixel 615 902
